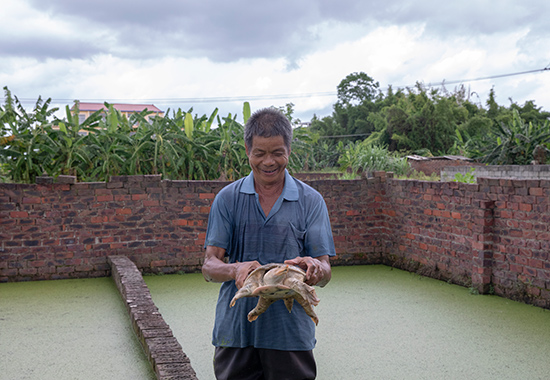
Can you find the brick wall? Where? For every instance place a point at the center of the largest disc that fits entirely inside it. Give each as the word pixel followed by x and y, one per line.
pixel 492 236
pixel 57 231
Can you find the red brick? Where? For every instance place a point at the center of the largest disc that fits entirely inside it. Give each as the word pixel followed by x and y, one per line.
pixel 525 207
pixel 516 268
pixel 537 191
pixel 535 263
pixel 151 203
pixel 99 219
pixel 19 214
pixel 31 200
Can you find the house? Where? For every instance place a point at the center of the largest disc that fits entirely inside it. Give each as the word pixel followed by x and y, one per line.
pixel 86 109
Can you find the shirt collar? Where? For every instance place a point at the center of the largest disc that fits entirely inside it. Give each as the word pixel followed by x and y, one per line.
pixel 290 190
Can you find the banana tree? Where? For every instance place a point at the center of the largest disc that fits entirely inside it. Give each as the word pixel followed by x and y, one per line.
pixel 512 143
pixel 197 161
pixel 25 152
pixel 107 145
pixel 141 145
pixel 68 143
pixel 232 160
pixel 303 141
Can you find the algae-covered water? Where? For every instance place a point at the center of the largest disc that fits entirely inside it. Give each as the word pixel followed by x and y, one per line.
pixel 379 323
pixel 68 329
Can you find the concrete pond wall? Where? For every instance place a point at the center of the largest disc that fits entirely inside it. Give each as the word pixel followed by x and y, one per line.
pixel 497 171
pixel 492 236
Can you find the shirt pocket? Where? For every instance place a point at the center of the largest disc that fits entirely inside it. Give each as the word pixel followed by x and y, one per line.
pixel 299 241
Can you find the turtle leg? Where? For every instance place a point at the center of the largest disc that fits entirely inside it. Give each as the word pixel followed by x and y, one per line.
pixel 307 308
pixel 252 282
pixel 245 291
pixel 261 307
pixel 306 291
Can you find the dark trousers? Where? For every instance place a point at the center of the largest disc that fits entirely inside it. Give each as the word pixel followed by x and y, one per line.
pixel 261 364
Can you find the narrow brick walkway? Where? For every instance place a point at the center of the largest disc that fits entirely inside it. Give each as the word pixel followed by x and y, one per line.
pixel 163 350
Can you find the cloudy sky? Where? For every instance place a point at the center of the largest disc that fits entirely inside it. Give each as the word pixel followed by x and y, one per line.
pixel 214 53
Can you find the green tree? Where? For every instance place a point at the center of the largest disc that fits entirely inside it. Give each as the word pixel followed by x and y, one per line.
pixel 424 119
pixel 357 88
pixel 288 111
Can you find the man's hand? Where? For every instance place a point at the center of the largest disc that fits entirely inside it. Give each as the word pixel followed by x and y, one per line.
pixel 242 270
pixel 214 269
pixel 318 271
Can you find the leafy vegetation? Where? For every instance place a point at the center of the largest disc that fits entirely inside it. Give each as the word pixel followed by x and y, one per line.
pixel 364 157
pixel 511 143
pixel 178 146
pixel 468 177
pixel 368 130
pixel 430 121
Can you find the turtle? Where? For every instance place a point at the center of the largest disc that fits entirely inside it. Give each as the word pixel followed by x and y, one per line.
pixel 272 282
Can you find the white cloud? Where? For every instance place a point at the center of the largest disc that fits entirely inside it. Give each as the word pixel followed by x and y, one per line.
pixel 88 59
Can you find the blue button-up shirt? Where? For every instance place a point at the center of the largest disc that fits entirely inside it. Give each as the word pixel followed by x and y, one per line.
pixel 297 225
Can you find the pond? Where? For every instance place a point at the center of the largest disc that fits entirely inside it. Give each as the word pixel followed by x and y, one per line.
pixel 68 329
pixel 382 323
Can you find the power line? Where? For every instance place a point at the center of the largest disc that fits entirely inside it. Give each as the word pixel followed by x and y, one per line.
pixel 339 136
pixel 223 99
pixel 218 99
pixel 489 77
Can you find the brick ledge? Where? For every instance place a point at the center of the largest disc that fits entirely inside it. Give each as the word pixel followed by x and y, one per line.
pixel 163 350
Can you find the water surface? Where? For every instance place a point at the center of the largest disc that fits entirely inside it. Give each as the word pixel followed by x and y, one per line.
pixel 68 329
pixel 382 323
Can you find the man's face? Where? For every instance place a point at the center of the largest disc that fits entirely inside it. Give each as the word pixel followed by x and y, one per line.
pixel 268 158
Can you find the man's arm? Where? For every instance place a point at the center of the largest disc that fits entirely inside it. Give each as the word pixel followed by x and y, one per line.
pixel 214 269
pixel 318 270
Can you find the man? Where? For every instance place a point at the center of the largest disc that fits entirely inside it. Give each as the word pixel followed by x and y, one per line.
pixel 266 217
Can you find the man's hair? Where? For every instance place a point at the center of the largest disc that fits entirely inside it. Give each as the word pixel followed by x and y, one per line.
pixel 268 122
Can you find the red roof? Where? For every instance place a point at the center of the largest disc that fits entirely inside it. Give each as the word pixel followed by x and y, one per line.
pixel 121 107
